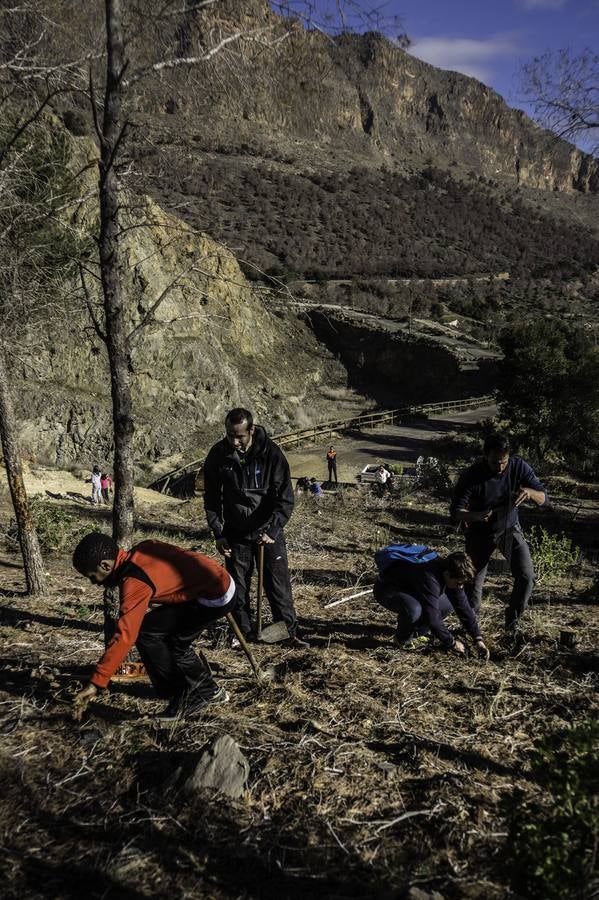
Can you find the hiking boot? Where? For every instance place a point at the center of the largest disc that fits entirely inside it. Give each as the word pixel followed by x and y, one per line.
pixel 193 704
pixel 296 643
pixel 413 644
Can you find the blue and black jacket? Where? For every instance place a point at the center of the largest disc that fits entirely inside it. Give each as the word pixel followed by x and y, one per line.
pixel 247 494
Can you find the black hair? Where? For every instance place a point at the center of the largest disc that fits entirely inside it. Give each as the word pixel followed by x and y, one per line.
pixel 496 442
pixel 92 549
pixel 96 470
pixel 238 415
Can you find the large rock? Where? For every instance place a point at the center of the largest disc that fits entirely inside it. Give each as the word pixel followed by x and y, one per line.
pixel 222 767
pixel 359 95
pixel 210 344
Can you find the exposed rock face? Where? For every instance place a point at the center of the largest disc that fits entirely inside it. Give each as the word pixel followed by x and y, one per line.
pixel 397 369
pixel 362 96
pixel 456 117
pixel 211 344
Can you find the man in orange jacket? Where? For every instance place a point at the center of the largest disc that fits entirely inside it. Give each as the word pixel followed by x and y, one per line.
pixel 189 591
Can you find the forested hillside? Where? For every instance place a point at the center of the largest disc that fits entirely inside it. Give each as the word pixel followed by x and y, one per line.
pixel 372 222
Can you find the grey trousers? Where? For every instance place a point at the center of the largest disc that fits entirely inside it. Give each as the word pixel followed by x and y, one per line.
pixel 517 553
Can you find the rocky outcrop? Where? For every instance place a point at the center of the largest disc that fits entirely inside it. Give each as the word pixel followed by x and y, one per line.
pixel 398 369
pixel 358 96
pixel 203 342
pixel 451 116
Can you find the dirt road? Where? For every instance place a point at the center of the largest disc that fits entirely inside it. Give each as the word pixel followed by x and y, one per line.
pixel 387 443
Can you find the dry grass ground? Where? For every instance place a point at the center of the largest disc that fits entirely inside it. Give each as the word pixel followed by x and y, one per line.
pixel 373 772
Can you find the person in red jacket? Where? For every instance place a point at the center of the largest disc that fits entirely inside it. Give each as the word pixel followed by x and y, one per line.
pixel 167 597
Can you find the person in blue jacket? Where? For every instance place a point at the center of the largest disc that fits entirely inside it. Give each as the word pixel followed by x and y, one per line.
pixel 423 595
pixel 486 501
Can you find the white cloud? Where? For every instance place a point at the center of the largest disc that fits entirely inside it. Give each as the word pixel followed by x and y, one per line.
pixel 466 55
pixel 542 4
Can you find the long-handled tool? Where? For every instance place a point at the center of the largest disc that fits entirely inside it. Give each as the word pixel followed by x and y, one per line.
pixel 258 672
pixel 260 589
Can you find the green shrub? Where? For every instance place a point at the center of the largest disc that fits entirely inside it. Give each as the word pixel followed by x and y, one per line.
pixel 553 831
pixel 432 475
pixel 553 554
pixel 57 529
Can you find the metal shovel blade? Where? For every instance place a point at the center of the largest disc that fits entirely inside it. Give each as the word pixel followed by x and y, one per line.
pixel 274 634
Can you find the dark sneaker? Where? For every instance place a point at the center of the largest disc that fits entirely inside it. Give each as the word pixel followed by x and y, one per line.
pixel 296 643
pixel 193 704
pixel 414 644
pixel 171 712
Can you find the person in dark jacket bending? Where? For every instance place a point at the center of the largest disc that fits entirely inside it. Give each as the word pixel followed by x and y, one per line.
pixel 248 497
pixel 486 501
pixel 423 595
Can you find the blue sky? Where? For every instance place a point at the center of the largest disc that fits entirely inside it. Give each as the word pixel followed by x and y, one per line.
pixel 488 39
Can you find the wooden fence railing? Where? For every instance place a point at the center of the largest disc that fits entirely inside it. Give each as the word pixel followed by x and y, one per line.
pixel 367 420
pixel 371 420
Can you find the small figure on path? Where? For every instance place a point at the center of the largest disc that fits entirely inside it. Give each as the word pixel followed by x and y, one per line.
pixel 248 498
pixel 301 485
pixel 96 485
pixel 189 591
pixel 486 501
pixel 381 477
pixel 423 594
pixel 332 464
pixel 106 485
pixel 316 492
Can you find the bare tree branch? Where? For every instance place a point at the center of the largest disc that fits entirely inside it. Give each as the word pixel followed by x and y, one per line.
pixel 90 306
pixel 563 89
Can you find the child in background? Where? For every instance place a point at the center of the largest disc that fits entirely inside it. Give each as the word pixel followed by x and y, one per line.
pixel 106 485
pixel 96 485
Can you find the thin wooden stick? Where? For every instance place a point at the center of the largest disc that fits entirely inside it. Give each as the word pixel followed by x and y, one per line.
pixel 345 599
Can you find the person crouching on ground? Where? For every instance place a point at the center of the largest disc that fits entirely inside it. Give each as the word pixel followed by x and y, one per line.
pixel 189 591
pixel 423 595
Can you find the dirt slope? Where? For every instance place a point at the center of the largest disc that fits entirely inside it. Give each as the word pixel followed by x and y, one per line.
pixel 373 772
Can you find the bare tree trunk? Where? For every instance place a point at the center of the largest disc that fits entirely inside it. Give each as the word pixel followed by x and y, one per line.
pixel 116 338
pixel 30 548
pixel 110 269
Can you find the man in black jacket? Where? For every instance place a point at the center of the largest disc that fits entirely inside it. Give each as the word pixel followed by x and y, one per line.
pixel 248 499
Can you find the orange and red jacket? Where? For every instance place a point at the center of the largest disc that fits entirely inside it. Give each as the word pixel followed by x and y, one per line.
pixel 155 572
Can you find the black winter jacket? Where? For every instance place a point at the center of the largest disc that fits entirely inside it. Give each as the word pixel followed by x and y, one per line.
pixel 248 494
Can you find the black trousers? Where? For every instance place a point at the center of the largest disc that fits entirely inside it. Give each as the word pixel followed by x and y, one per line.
pixel 411 621
pixel 165 646
pixel 277 583
pixel 332 471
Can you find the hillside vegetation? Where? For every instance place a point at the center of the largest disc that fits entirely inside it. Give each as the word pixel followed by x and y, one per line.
pixel 373 772
pixel 371 223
